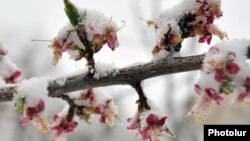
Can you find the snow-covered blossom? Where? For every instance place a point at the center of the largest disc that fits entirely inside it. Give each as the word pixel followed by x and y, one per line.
pixel 30 102
pixel 62 124
pixel 187 19
pixel 99 103
pixel 150 125
pixel 224 71
pixel 88 31
pixel 9 72
pixel 33 115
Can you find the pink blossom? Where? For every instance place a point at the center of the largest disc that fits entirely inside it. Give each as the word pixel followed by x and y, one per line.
pixel 242 96
pixel 112 42
pixel 151 129
pixel 13 78
pixel 197 89
pixel 220 75
pixel 34 114
pixel 214 50
pixel 232 67
pixel 135 124
pixel 154 120
pixel 64 126
pixel 31 112
pixel 214 95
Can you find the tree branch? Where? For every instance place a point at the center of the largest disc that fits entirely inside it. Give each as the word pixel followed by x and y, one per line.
pixel 126 76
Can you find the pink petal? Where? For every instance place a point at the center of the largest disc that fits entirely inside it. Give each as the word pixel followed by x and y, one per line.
pixel 197 89
pixel 210 19
pixel 232 67
pixel 218 99
pixel 152 119
pixel 162 121
pixel 13 77
pixel 214 50
pixel 220 75
pixel 209 38
pixel 31 111
pixel 100 109
pixel 211 92
pixel 57 133
pixel 40 105
pixel 214 95
pixel 202 39
pixel 133 126
pixel 112 42
pixel 71 127
pixel 24 121
pixel 102 119
pixel 55 117
pixel 242 96
pixel 144 133
pixel 16 74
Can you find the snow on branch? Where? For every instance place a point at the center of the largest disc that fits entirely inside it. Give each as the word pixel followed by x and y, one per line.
pixel 126 76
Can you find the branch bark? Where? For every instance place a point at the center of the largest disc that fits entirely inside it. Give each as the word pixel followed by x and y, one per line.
pixel 126 76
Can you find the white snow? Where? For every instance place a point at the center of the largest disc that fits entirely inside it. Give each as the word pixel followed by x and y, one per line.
pixel 33 90
pixel 72 37
pixel 61 81
pixel 7 67
pixel 239 48
pixel 103 69
pixel 96 22
pixel 172 16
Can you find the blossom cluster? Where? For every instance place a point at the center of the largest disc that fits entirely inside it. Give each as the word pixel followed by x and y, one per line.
pixel 224 71
pixel 86 103
pixel 188 19
pixel 9 72
pixel 32 102
pixel 86 33
pixel 150 126
pixel 93 102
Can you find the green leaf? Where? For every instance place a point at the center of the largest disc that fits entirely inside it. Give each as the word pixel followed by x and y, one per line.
pixel 72 13
pixel 169 132
pixel 19 104
pixel 226 88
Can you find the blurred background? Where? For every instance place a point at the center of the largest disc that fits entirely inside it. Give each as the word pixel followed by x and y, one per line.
pixel 22 21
